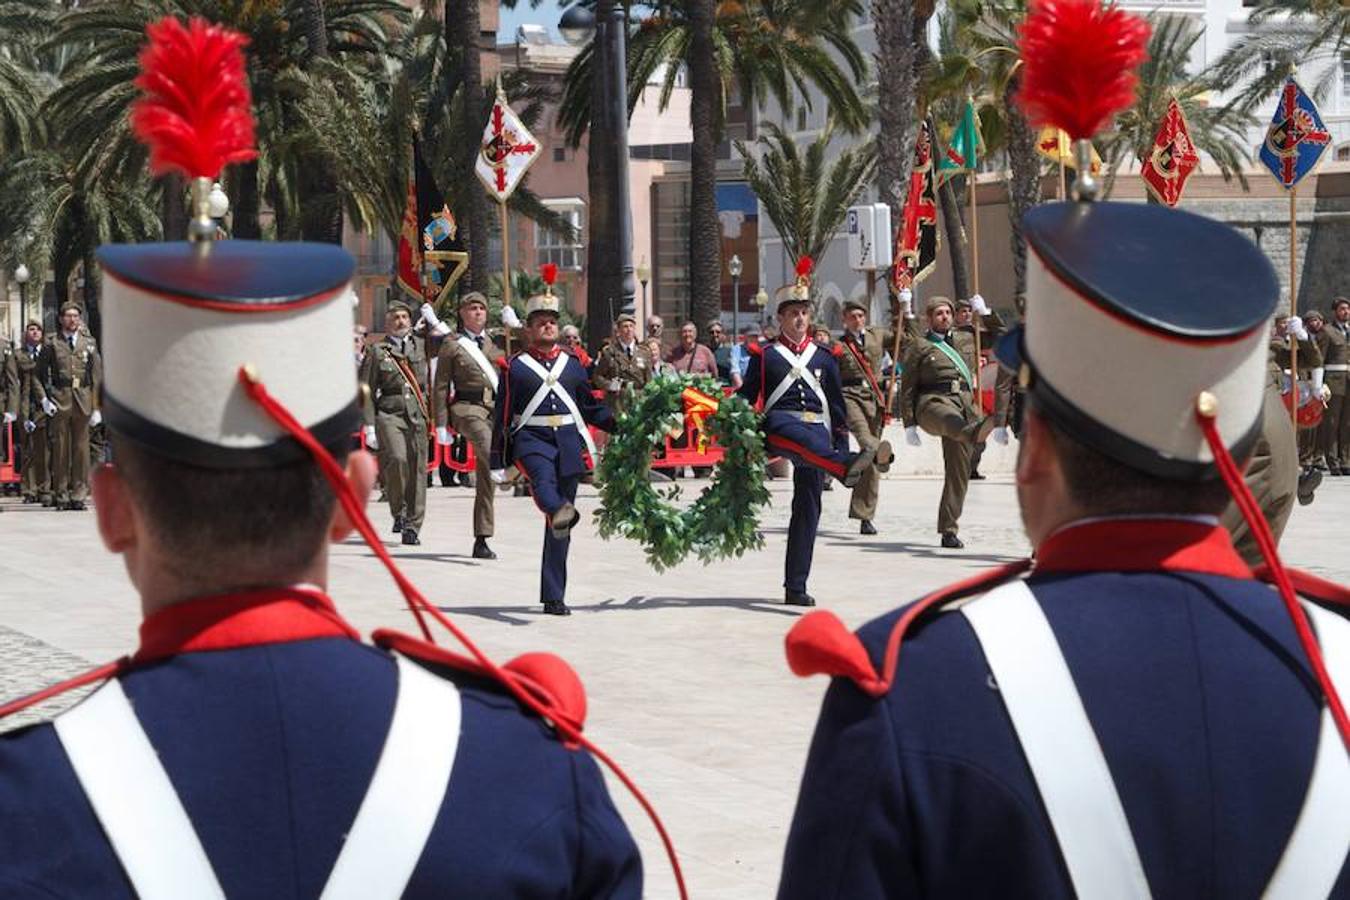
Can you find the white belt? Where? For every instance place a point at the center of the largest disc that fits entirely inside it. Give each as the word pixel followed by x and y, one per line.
pixel 1337 367
pixel 546 421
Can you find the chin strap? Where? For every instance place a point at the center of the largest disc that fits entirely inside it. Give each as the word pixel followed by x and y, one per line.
pixel 421 607
pixel 1206 411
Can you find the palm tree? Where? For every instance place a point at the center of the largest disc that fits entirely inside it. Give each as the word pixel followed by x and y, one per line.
pixel 761 49
pixel 1220 131
pixel 806 198
pixel 1261 59
pixel 24 24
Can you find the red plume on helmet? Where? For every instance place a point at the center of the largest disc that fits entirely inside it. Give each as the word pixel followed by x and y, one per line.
pixel 195 114
pixel 805 265
pixel 549 272
pixel 1079 59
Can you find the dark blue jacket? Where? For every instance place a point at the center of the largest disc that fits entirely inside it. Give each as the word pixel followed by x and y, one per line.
pixel 271 749
pixel 563 444
pixel 767 370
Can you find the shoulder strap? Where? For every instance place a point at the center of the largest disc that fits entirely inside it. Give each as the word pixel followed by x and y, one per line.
pixel 1061 748
pixel 133 798
pixel 1317 850
pixel 479 358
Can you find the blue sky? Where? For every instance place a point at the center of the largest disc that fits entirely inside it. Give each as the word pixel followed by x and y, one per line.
pixel 546 13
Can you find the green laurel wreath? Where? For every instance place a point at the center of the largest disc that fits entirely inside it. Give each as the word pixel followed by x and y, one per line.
pixel 724 521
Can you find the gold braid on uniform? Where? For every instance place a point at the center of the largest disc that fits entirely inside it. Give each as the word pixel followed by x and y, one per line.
pixel 724 520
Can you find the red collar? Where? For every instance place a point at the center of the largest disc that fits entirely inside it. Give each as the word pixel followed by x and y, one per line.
pixel 798 349
pixel 228 621
pixel 546 355
pixel 1158 544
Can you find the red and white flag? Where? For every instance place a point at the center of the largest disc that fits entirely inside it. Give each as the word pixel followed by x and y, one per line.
pixel 507 153
pixel 1172 159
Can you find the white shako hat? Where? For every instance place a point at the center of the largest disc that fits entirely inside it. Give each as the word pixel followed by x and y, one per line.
pixel 1133 311
pixel 180 320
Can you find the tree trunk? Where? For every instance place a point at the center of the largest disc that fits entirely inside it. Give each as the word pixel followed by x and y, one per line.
pixel 1024 183
pixel 958 243
pixel 244 200
pixel 705 258
pixel 173 213
pixel 897 81
pixel 320 197
pixel 604 287
pixel 90 293
pixel 463 29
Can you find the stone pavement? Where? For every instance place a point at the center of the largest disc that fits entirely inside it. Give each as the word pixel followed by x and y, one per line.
pixel 684 670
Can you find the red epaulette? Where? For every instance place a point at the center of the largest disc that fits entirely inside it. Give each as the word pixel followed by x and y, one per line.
pixel 547 677
pixel 819 644
pixel 837 349
pixel 505 361
pixel 1311 586
pixel 754 348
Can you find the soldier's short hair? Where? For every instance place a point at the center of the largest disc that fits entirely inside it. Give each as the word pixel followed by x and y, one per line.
pixel 34 323
pixel 270 521
pixel 1340 301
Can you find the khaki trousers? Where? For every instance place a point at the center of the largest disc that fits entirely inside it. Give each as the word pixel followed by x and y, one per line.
pixel 473 421
pixel 403 464
pixel 69 431
pixel 1333 435
pixel 36 476
pixel 865 421
pixel 949 416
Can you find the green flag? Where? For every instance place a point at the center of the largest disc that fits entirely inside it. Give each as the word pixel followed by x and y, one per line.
pixel 962 151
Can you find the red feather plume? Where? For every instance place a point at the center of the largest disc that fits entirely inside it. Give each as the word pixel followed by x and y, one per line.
pixel 804 266
pixel 195 114
pixel 1079 60
pixel 549 272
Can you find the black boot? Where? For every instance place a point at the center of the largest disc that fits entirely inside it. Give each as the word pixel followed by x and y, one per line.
pixel 398 525
pixel 556 608
pixel 867 527
pixel 799 598
pixel 410 537
pixel 951 541
pixel 481 550
pixel 563 521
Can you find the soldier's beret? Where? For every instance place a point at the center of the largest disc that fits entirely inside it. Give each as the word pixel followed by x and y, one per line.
pixel 71 304
pixel 473 298
pixel 1192 320
pixel 1314 314
pixel 963 303
pixel 935 302
pixel 855 303
pixel 398 306
pixel 625 317
pixel 181 320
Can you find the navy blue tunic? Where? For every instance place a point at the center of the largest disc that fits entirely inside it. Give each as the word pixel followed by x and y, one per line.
pixel 1200 697
pixel 271 749
pixel 768 369
pixel 563 445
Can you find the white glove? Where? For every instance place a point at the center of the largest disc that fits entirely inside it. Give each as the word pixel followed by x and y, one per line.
pixel 434 324
pixel 371 442
pixel 443 436
pixel 509 317
pixel 29 426
pixel 912 436
pixel 1295 327
pixel 1000 436
pixel 10 417
pixel 1326 393
pixel 95 419
pixel 977 303
pixel 48 406
pixel 498 476
pixel 906 300
pixel 1318 375
pixel 613 384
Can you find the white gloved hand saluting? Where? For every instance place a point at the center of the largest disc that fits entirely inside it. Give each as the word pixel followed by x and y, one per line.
pixel 434 324
pixel 978 305
pixel 1326 393
pixel 1294 326
pixel 10 417
pixel 371 442
pixel 48 406
pixel 912 436
pixel 509 317
pixel 29 426
pixel 95 419
pixel 1000 435
pixel 906 301
pixel 443 436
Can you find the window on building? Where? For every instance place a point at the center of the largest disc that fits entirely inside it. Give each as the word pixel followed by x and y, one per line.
pixel 1343 153
pixel 557 248
pixel 1345 76
pixel 801 117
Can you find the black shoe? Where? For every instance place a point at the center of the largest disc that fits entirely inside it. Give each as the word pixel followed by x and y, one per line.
pixel 1307 486
pixel 481 550
pixel 564 520
pixel 410 537
pixel 867 527
pixel 799 598
pixel 975 475
pixel 556 608
pixel 463 479
pixel 861 461
pixel 951 541
pixel 49 502
pixel 76 506
pixel 29 498
pixel 398 525
pixel 885 456
pixel 1334 471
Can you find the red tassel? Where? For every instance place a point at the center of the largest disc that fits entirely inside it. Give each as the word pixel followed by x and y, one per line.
pixel 549 272
pixel 805 265
pixel 819 644
pixel 195 114
pixel 1079 60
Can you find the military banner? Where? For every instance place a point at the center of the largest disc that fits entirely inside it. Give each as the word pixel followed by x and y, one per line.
pixel 963 151
pixel 1172 158
pixel 1296 138
pixel 916 241
pixel 431 253
pixel 1054 145
pixel 507 152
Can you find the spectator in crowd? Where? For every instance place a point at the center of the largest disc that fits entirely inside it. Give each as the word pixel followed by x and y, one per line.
pixel 689 357
pixel 723 349
pixel 571 343
pixel 656 326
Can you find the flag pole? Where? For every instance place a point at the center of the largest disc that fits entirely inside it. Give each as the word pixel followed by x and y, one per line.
pixel 1293 305
pixel 975 280
pixel 506 271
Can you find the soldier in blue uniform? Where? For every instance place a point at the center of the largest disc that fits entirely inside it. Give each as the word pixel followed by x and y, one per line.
pixel 540 425
pixel 253 746
pixel 796 383
pixel 1135 714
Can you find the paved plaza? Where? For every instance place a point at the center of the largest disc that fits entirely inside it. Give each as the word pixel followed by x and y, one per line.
pixel 684 670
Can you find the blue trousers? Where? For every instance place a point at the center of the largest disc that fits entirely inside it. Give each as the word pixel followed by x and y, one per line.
pixel 551 491
pixel 808 444
pixel 807 483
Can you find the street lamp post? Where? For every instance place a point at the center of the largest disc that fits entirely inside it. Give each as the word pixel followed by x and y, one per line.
pixel 734 267
pixel 762 301
pixel 21 275
pixel 577 25
pixel 644 274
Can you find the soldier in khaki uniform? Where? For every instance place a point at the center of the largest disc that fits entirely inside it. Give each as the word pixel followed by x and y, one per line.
pixel 991 329
pixel 936 394
pixel 69 371
pixel 467 379
pixel 865 401
pixel 397 416
pixel 623 363
pixel 35 452
pixel 1335 350
pixel 9 391
pixel 1287 330
pixel 1340 415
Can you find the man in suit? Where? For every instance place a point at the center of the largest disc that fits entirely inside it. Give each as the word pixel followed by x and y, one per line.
pixel 69 372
